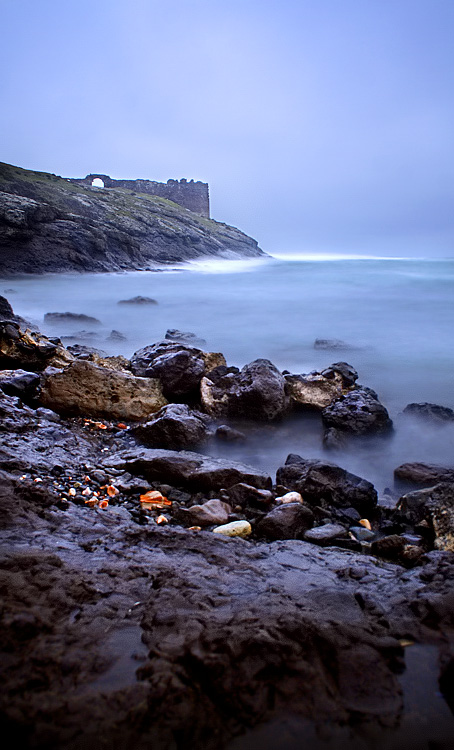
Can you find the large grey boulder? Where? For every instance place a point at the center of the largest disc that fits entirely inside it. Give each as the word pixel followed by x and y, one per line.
pixel 89 390
pixel 325 484
pixel 175 426
pixel 185 468
pixel 359 412
pixel 256 392
pixel 180 368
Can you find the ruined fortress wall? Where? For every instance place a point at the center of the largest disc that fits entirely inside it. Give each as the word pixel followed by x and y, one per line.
pixel 191 195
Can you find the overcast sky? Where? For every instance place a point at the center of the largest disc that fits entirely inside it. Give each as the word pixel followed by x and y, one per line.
pixel 320 125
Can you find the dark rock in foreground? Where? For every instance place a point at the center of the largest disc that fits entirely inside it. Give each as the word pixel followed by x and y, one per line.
pixel 174 426
pixel 358 413
pixel 322 483
pixel 187 468
pixel 289 521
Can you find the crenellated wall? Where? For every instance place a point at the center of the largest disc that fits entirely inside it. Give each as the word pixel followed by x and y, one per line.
pixel 191 195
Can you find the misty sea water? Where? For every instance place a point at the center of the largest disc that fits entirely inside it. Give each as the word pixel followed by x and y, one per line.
pixel 396 317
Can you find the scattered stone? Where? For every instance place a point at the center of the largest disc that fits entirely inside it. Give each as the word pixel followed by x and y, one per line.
pixel 290 497
pixel 139 300
pixel 424 474
pixel 362 534
pixel 89 390
pixel 430 412
pixel 325 484
pixel 288 521
pixel 325 535
pixel 390 547
pixel 57 317
pixel 184 468
pixel 245 495
pixel 241 529
pixel 358 413
pixel 89 353
pixel 213 512
pixel 175 426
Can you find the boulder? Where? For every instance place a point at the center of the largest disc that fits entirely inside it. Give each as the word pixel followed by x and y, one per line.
pixel 430 412
pixel 358 413
pixel 288 521
pixel 29 350
pixel 185 468
pixel 229 434
pixel 435 506
pixel 325 535
pixel 175 426
pixel 256 392
pixel 6 311
pixel 313 391
pixel 212 513
pixel 424 474
pixel 180 368
pixel 19 383
pixel 89 390
pixel 245 495
pixel 326 484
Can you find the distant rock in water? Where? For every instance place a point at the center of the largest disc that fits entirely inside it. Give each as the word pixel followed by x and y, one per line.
pixel 430 412
pixel 49 224
pixel 116 336
pixel 330 344
pixel 6 311
pixel 138 301
pixel 184 337
pixel 57 317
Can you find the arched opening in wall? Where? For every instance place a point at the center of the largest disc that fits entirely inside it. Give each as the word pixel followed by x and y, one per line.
pixel 97 182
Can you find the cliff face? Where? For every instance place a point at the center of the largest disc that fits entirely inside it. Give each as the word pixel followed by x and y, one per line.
pixel 49 224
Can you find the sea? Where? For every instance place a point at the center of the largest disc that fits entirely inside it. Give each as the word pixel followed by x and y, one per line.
pixel 394 317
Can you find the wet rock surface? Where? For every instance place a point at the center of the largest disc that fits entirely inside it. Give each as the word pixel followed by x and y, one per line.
pixel 123 625
pixel 358 413
pixel 175 426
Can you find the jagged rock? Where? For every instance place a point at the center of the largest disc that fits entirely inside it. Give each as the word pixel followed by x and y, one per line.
pixel 81 351
pixel 424 474
pixel 326 534
pixel 435 505
pixel 334 439
pixel 313 391
pixel 390 547
pixel 256 392
pixel 19 383
pixel 116 336
pixel 245 495
pixel 347 372
pixel 430 412
pixel 29 350
pixel 180 368
pixel 89 390
pixel 358 413
pixel 174 426
pixel 58 317
pixel 288 521
pixel 185 468
pixel 325 484
pixel 184 337
pixel 139 300
pixel 213 512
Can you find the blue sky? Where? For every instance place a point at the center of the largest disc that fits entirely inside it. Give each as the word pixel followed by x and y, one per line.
pixel 320 125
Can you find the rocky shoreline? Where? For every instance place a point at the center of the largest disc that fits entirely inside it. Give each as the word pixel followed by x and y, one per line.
pixel 156 596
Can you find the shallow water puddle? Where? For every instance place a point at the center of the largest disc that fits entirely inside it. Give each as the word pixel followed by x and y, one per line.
pixel 128 651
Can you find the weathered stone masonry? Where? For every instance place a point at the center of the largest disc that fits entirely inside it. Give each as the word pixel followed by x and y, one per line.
pixel 191 195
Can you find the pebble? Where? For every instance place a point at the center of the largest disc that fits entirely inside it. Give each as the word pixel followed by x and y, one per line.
pixel 241 529
pixel 362 534
pixel 290 497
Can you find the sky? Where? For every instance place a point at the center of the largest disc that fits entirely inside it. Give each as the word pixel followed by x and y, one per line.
pixel 321 126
